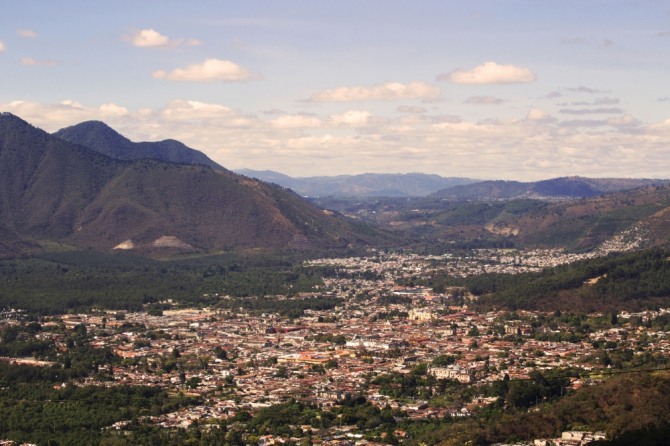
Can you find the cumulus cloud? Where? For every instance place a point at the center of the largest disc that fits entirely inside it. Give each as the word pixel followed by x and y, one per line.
pixel 211 70
pixel 328 143
pixel 387 91
pixel 150 38
pixel 623 121
pixel 352 118
pixel 536 114
pixel 192 110
pixel 29 61
pixel 484 100
pixel 490 73
pixel 26 33
pixel 660 127
pixel 111 109
pixel 295 122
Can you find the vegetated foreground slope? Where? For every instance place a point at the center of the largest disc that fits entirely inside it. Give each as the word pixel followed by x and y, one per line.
pixel 631 281
pixel 638 216
pixel 630 408
pixel 54 190
pixel 583 224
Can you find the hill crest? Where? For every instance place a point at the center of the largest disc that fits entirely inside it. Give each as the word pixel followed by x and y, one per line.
pixel 98 136
pixel 51 189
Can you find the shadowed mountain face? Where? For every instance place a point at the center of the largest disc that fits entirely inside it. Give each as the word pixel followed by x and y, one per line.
pixel 100 137
pixel 51 189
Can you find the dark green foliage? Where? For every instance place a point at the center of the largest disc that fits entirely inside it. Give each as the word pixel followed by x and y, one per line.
pixel 32 410
pixel 629 281
pixel 288 307
pixel 61 282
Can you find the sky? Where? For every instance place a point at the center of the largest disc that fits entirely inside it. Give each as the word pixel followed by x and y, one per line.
pixel 498 89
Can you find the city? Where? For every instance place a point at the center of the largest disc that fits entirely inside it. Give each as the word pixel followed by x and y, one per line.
pixel 235 360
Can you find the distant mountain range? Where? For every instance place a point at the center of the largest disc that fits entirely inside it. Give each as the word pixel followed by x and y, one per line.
pixel 565 187
pixel 371 185
pixel 363 185
pixel 57 191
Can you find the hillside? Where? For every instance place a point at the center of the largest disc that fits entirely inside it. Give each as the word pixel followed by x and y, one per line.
pixel 363 185
pixel 100 137
pixel 631 281
pixel 54 190
pixel 556 188
pixel 639 214
pixel 636 217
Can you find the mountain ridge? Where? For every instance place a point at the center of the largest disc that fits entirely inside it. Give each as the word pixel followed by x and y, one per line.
pixel 102 138
pixel 51 189
pixel 554 188
pixel 361 185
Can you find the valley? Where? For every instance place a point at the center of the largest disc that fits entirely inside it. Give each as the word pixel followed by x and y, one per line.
pixel 187 304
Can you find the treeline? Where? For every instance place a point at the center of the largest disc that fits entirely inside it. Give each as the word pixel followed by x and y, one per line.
pixel 72 415
pixel 627 281
pixel 79 281
pixel 629 408
pixel 292 307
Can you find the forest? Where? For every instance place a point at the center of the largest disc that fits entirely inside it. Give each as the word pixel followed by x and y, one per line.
pixel 56 283
pixel 630 281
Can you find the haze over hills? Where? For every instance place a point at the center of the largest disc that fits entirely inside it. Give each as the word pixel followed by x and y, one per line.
pixel 370 185
pixel 102 138
pixel 564 187
pixel 363 185
pixel 51 189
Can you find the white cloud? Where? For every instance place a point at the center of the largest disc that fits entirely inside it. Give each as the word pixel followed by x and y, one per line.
pixel 211 70
pixel 150 38
pixel 536 114
pixel 3 48
pixel 29 61
pixel 26 33
pixel 335 143
pixel 490 73
pixel 660 127
pixel 111 109
pixel 352 118
pixel 295 122
pixel 193 110
pixel 623 121
pixel 382 92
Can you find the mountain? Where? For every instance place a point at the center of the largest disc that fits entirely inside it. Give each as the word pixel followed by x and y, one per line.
pixel 556 188
pixel 100 137
pixel 637 217
pixel 54 190
pixel 363 185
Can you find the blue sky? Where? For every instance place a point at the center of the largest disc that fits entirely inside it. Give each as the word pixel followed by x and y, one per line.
pixel 506 89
